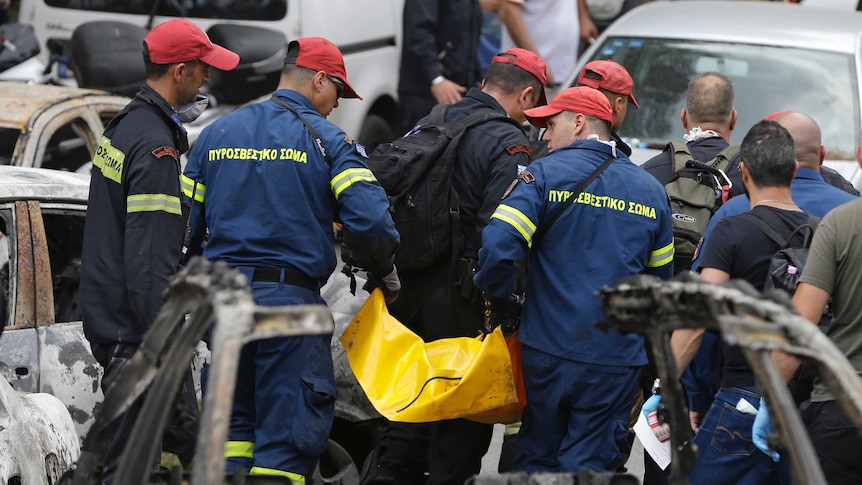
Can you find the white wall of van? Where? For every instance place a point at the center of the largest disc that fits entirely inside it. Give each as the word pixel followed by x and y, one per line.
pixel 367 31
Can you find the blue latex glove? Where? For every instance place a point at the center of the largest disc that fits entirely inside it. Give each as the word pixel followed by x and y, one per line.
pixel 650 409
pixel 762 428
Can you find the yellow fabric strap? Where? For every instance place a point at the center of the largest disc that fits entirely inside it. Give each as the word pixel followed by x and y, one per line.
pixel 516 219
pixel 239 449
pixel 190 187
pixel 153 203
pixel 660 257
pixel 296 478
pixel 349 177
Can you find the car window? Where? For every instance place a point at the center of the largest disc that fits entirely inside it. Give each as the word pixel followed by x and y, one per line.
pixel 8 139
pixel 67 148
pixel 208 9
pixel 766 79
pixel 5 251
pixel 64 234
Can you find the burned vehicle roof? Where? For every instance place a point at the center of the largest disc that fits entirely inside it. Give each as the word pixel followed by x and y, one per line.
pixel 17 183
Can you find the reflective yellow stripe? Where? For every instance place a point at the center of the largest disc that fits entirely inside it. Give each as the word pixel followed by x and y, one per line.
pixel 349 177
pixel 153 203
pixel 190 187
pixel 296 478
pixel 660 257
pixel 109 160
pixel 516 219
pixel 239 449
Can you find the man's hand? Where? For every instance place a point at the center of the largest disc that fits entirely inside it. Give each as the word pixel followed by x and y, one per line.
pixel 652 409
pixel 448 92
pixel 389 283
pixel 761 429
pixel 695 418
pixel 502 312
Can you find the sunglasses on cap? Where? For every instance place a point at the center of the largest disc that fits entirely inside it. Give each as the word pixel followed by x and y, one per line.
pixel 339 86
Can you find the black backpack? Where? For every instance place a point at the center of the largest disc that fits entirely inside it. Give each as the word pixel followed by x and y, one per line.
pixel 787 263
pixel 696 191
pixel 416 172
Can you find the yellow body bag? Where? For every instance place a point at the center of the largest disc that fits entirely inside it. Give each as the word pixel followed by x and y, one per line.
pixel 411 381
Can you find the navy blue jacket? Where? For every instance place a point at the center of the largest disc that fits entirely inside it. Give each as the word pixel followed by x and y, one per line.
pixel 440 39
pixel 619 226
pixel 268 198
pixel 134 229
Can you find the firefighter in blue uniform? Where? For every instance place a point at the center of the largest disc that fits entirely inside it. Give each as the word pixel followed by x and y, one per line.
pixel 134 229
pixel 580 381
pixel 267 188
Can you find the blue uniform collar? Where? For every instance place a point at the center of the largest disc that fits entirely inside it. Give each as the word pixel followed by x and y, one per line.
pixel 486 99
pixel 809 174
pixel 295 98
pixel 594 145
pixel 151 97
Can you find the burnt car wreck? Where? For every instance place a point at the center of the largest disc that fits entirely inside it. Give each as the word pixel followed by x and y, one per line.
pixel 209 294
pixel 755 322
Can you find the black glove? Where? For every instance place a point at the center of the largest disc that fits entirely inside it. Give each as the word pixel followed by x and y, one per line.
pixel 388 282
pixel 502 312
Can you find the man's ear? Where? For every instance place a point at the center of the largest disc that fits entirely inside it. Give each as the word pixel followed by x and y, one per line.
pixel 619 103
pixel 525 98
pixel 683 119
pixel 178 71
pixel 733 118
pixel 319 81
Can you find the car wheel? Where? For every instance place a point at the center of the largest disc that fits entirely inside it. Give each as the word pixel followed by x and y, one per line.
pixel 375 130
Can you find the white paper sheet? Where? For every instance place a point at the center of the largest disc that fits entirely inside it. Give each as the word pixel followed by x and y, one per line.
pixel 660 452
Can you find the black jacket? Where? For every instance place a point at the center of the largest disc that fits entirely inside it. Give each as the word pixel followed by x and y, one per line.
pixel 135 224
pixel 440 38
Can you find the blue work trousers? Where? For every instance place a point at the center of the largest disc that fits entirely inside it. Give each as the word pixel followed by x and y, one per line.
pixel 577 414
pixel 285 394
pixel 725 453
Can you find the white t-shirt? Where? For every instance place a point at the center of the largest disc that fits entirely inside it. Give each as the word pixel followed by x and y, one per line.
pixel 554 27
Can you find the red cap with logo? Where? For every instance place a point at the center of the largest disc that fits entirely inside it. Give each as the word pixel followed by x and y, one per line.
pixel 580 99
pixel 319 54
pixel 610 76
pixel 179 40
pixel 528 61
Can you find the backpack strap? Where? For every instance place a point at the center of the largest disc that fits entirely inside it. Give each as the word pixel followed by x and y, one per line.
pixel 760 221
pixel 312 131
pixel 680 153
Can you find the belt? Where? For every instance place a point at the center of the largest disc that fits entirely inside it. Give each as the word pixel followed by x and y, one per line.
pixel 288 276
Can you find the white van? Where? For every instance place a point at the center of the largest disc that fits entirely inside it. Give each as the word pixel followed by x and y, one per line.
pixel 367 31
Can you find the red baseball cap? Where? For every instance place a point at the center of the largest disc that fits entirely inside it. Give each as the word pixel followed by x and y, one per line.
pixel 580 99
pixel 613 77
pixel 776 115
pixel 528 61
pixel 319 54
pixel 179 40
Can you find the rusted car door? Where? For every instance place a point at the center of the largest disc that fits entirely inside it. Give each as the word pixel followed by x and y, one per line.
pixel 43 348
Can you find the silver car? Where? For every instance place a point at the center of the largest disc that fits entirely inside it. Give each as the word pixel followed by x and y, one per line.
pixel 780 56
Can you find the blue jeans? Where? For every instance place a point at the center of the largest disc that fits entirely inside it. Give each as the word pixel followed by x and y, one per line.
pixel 725 452
pixel 577 414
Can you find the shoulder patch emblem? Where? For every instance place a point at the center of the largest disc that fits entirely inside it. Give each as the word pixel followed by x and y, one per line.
pixel 527 177
pixel 520 148
pixel 166 151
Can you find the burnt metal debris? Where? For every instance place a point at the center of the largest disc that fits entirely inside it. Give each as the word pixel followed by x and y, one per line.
pixel 755 322
pixel 210 294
